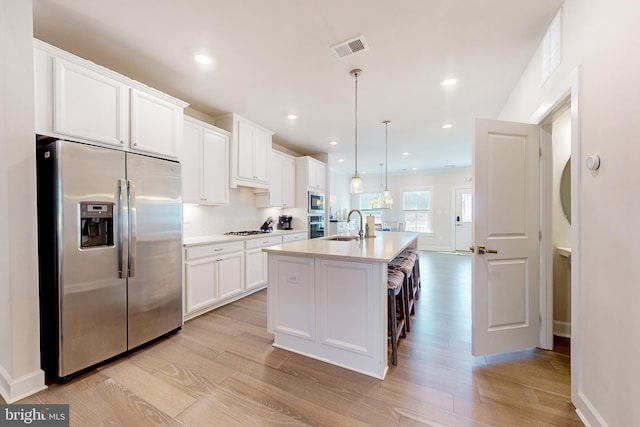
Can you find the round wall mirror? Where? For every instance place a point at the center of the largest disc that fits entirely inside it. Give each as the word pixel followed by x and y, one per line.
pixel 565 190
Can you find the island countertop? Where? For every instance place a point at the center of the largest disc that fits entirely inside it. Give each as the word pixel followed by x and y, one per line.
pixel 382 248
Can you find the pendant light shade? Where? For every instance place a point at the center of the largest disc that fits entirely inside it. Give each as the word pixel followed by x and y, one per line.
pixel 387 200
pixel 356 185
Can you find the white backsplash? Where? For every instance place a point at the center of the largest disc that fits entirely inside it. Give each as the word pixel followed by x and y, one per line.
pixel 240 214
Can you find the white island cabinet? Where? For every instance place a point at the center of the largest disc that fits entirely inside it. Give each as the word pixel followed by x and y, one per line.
pixel 327 299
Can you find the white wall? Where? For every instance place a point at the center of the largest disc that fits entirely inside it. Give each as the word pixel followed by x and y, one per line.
pixel 604 38
pixel 339 184
pixel 20 372
pixel 443 184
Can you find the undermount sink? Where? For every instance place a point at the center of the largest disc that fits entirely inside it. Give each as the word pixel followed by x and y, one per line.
pixel 344 238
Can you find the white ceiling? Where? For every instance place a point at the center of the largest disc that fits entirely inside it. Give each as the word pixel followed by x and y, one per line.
pixel 273 58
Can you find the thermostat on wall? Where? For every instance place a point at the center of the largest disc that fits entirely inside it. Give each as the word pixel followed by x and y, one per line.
pixel 593 162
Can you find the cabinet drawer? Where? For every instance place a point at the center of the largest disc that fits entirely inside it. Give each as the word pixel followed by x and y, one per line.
pixel 263 242
pixel 212 250
pixel 294 237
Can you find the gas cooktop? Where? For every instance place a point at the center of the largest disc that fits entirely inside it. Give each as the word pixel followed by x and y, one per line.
pixel 247 232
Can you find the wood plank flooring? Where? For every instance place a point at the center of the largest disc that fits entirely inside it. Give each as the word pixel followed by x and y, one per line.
pixel 221 370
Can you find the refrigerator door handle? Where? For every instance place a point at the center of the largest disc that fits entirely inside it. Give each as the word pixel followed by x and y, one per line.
pixel 134 228
pixel 123 247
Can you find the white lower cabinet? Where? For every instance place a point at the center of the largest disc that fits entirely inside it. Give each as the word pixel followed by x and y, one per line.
pixel 303 235
pixel 256 261
pixel 213 274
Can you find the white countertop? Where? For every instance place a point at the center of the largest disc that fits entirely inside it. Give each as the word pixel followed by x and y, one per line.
pixel 382 248
pixel 223 238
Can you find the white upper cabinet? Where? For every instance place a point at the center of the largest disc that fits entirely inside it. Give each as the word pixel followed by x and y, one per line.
pixel 250 151
pixel 311 173
pixel 281 183
pixel 79 100
pixel 156 125
pixel 88 104
pixel 205 164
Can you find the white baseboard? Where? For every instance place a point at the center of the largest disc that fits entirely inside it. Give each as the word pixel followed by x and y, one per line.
pixel 587 413
pixel 14 389
pixel 434 248
pixel 562 329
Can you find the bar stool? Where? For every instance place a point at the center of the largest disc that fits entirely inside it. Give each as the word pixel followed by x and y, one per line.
pixel 416 271
pixel 395 315
pixel 405 262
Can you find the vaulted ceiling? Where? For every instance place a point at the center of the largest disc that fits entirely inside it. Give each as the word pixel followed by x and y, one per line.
pixel 272 58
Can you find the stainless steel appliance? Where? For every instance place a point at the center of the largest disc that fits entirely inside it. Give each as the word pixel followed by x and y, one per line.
pixel 284 222
pixel 316 203
pixel 316 226
pixel 110 253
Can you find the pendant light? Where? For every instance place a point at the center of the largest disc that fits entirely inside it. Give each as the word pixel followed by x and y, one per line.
pixel 356 183
pixel 387 200
pixel 378 201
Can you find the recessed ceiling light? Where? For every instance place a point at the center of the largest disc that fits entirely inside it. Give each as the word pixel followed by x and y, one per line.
pixel 334 143
pixel 414 169
pixel 341 160
pixel 405 154
pixel 449 82
pixel 203 59
pixel 447 126
pixel 292 117
pixel 363 172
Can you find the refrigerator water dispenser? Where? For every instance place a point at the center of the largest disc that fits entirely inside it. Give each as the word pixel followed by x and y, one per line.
pixel 96 224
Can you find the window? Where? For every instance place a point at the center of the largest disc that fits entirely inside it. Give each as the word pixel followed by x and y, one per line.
pixel 466 206
pixel 416 210
pixel 365 206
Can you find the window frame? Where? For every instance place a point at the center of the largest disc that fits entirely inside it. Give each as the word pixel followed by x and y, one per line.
pixel 429 211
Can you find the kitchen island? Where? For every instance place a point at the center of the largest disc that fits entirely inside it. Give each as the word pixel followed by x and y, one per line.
pixel 327 299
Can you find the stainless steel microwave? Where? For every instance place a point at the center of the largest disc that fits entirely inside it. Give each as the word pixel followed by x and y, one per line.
pixel 316 202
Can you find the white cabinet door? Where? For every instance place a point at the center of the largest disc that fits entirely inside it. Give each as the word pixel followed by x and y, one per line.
pixel 230 277
pixel 156 125
pixel 205 164
pixel 200 289
pixel 261 154
pixel 245 151
pixel 317 178
pixel 215 168
pixel 275 181
pixel 191 160
pixel 89 105
pixel 288 178
pixel 256 268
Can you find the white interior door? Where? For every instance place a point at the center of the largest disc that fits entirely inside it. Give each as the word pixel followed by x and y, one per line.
pixel 464 218
pixel 506 298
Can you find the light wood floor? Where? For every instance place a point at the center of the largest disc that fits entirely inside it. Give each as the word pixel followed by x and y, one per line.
pixel 221 370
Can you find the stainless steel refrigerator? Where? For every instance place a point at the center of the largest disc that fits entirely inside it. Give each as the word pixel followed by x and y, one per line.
pixel 110 253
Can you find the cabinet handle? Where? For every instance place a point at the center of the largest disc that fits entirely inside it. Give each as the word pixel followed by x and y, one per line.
pixel 122 141
pixel 135 144
pixel 265 241
pixel 218 249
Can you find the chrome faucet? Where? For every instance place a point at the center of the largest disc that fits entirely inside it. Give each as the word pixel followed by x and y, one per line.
pixel 360 233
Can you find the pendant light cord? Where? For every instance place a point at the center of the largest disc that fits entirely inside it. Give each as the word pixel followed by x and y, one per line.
pixel 386 154
pixel 356 121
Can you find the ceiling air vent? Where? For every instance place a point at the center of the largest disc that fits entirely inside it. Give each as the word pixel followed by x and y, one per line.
pixel 350 47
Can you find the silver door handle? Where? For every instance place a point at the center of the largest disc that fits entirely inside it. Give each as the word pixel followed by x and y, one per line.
pixel 123 235
pixel 134 228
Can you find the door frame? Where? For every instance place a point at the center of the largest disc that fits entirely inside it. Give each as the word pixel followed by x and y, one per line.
pixel 566 90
